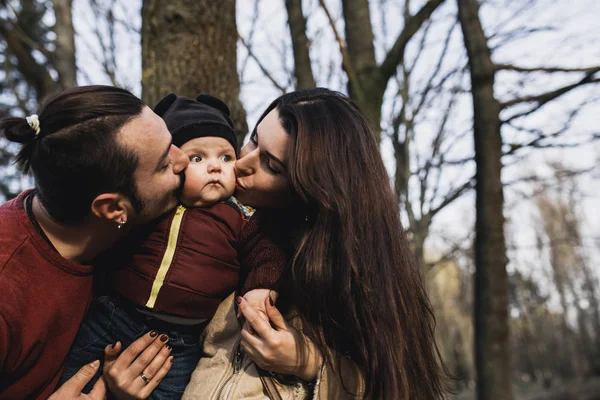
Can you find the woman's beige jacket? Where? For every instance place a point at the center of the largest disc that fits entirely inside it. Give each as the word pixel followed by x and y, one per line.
pixel 224 372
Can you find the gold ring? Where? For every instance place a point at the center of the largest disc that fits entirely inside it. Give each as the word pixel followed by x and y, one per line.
pixel 145 378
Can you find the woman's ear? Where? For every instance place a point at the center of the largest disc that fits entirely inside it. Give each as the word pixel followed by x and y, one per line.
pixel 111 206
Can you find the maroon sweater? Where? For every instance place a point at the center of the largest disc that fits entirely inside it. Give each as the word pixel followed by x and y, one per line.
pixel 44 298
pixel 191 260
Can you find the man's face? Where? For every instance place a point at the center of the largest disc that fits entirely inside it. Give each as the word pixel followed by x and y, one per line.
pixel 210 177
pixel 160 163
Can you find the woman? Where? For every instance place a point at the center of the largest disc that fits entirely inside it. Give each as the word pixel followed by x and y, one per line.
pixel 352 282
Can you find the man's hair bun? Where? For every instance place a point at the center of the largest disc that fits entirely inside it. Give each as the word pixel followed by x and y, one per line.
pixel 17 129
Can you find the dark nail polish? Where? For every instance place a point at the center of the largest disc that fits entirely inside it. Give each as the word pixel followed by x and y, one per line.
pixel 271 302
pixel 238 299
pixel 171 359
pixel 168 347
pixel 164 338
pixel 153 334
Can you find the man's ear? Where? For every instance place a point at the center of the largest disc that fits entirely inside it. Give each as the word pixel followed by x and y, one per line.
pixel 111 206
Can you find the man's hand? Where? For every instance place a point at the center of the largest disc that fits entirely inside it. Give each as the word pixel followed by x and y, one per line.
pixel 72 388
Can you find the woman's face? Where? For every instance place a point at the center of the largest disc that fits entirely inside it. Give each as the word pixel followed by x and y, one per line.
pixel 262 169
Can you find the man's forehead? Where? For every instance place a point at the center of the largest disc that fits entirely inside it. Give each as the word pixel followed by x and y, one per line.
pixel 145 132
pixel 148 137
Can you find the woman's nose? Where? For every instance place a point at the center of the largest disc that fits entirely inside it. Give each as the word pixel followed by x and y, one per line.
pixel 246 165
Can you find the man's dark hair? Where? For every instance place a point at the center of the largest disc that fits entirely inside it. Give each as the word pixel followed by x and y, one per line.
pixel 76 156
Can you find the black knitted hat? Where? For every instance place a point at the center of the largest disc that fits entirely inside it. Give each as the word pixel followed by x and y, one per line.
pixel 188 119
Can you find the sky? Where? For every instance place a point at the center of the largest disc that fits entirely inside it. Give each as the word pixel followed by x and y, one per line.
pixel 567 35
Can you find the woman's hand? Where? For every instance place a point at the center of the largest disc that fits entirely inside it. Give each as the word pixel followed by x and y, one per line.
pixel 280 347
pixel 139 369
pixel 72 388
pixel 256 299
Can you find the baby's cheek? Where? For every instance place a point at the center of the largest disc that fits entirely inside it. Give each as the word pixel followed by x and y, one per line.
pixel 191 195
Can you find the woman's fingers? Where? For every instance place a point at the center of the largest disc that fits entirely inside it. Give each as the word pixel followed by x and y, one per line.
pixel 251 340
pixel 72 388
pixel 111 352
pixel 125 376
pixel 261 327
pixel 130 354
pixel 148 355
pixel 162 371
pixel 274 315
pixel 151 371
pixel 98 392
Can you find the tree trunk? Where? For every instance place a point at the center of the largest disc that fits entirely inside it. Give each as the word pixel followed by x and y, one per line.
pixel 492 345
pixel 300 44
pixel 362 88
pixel 65 44
pixel 190 47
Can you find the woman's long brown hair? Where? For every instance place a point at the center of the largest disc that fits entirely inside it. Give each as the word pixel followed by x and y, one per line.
pixel 353 280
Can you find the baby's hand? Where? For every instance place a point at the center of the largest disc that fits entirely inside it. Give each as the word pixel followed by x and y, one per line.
pixel 256 299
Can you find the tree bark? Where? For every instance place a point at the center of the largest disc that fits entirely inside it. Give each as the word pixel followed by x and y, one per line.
pixel 190 47
pixel 64 55
pixel 300 45
pixel 492 345
pixel 368 81
pixel 362 88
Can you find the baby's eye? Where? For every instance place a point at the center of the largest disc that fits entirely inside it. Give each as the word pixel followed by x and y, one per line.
pixel 195 158
pixel 226 158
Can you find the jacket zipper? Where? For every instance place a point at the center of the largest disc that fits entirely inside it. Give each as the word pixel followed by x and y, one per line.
pixel 237 364
pixel 167 259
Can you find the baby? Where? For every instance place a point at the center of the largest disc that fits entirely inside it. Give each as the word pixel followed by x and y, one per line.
pixel 172 275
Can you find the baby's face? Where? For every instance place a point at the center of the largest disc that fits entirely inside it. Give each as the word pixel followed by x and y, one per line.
pixel 209 178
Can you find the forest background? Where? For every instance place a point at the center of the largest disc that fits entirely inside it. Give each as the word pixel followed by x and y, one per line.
pixel 486 111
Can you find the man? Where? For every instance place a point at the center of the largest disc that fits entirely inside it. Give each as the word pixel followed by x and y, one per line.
pixel 102 161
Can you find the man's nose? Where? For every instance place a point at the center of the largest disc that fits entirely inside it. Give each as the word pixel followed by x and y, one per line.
pixel 180 160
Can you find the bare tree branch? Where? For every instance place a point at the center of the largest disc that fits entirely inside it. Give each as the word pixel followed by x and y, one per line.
pixel 453 195
pixel 510 67
pixel 255 16
pixel 262 68
pixel 544 98
pixel 65 43
pixel 346 64
pixel 394 57
pixel 35 73
pixel 300 45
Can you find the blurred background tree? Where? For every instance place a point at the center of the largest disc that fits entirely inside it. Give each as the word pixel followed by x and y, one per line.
pixel 484 113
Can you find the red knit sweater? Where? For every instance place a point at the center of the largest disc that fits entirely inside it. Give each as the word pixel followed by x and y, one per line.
pixel 44 298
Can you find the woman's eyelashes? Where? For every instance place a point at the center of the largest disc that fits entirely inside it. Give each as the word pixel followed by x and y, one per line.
pixel 273 170
pixel 266 160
